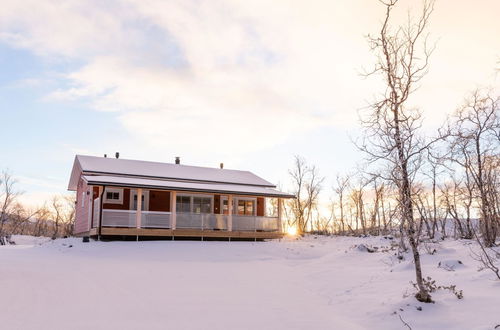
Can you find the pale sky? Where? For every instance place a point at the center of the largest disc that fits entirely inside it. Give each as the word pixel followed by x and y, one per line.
pixel 247 83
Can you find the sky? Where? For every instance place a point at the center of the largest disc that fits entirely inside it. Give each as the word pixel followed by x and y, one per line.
pixel 246 83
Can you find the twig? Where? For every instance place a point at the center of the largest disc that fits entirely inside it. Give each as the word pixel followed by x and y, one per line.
pixel 404 321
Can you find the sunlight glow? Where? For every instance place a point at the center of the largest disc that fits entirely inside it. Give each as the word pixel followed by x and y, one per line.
pixel 292 231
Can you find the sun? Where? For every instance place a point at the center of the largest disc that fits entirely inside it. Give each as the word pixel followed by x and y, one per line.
pixel 292 231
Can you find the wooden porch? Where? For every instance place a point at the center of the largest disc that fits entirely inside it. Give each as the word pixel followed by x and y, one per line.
pixel 172 233
pixel 165 213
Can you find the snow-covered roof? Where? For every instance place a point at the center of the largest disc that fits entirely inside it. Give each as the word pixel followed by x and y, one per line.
pixel 122 171
pixel 184 186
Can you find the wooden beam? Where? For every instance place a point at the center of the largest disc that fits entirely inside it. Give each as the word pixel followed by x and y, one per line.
pixel 138 212
pixel 187 233
pixel 136 231
pixel 280 214
pixel 173 209
pixel 230 213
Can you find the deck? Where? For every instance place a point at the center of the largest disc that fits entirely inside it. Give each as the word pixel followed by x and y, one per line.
pixel 156 232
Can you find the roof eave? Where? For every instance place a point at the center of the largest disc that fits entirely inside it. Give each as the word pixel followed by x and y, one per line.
pixel 132 185
pixel 125 175
pixel 76 173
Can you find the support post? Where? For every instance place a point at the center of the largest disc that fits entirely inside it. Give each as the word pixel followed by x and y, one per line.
pixel 99 227
pixel 230 213
pixel 280 214
pixel 90 206
pixel 138 213
pixel 99 196
pixel 173 210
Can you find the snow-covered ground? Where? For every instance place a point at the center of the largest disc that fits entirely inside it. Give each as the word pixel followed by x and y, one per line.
pixel 312 283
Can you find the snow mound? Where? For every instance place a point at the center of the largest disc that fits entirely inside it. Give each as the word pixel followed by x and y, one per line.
pixel 450 265
pixel 29 240
pixel 365 248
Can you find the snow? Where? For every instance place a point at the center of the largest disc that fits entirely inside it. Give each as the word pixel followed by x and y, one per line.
pixel 91 164
pixel 312 283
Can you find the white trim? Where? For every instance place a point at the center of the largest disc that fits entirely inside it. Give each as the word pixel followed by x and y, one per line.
pixel 229 212
pixel 173 209
pixel 113 201
pixel 138 212
pixel 90 211
pixel 133 192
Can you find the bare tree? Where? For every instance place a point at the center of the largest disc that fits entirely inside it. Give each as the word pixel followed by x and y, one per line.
pixel 8 195
pixel 475 146
pixel 340 188
pixel 488 257
pixel 41 222
pixel 357 197
pixel 20 218
pixel 307 185
pixel 391 128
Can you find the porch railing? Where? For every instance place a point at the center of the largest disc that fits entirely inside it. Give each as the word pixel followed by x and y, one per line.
pixel 118 218
pixel 155 219
pixel 254 223
pixel 127 218
pixel 202 221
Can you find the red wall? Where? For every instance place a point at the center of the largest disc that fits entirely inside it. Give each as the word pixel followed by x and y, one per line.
pixel 124 206
pixel 260 206
pixel 159 201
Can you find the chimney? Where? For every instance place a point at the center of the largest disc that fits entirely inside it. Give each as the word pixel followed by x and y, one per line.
pixel 117 155
pixel 221 166
pixel 105 156
pixel 177 160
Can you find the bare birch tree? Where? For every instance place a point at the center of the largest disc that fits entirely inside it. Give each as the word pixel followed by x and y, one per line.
pixel 307 184
pixel 8 195
pixel 474 136
pixel 391 128
pixel 340 189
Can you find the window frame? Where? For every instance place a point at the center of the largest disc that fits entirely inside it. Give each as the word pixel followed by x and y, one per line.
pixel 145 195
pixel 191 203
pixel 113 201
pixel 245 199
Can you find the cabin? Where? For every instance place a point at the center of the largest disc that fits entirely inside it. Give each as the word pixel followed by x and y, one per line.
pixel 134 198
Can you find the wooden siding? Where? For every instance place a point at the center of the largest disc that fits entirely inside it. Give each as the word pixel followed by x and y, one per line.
pixel 125 204
pixel 159 200
pixel 82 208
pixel 260 206
pixel 217 204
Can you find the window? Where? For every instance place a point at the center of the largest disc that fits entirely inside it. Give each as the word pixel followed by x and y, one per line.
pixel 145 200
pixel 134 206
pixel 245 207
pixel 195 204
pixel 202 205
pixel 113 196
pixel 183 204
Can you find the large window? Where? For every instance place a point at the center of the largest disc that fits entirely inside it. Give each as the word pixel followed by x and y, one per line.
pixel 183 204
pixel 194 204
pixel 202 205
pixel 245 207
